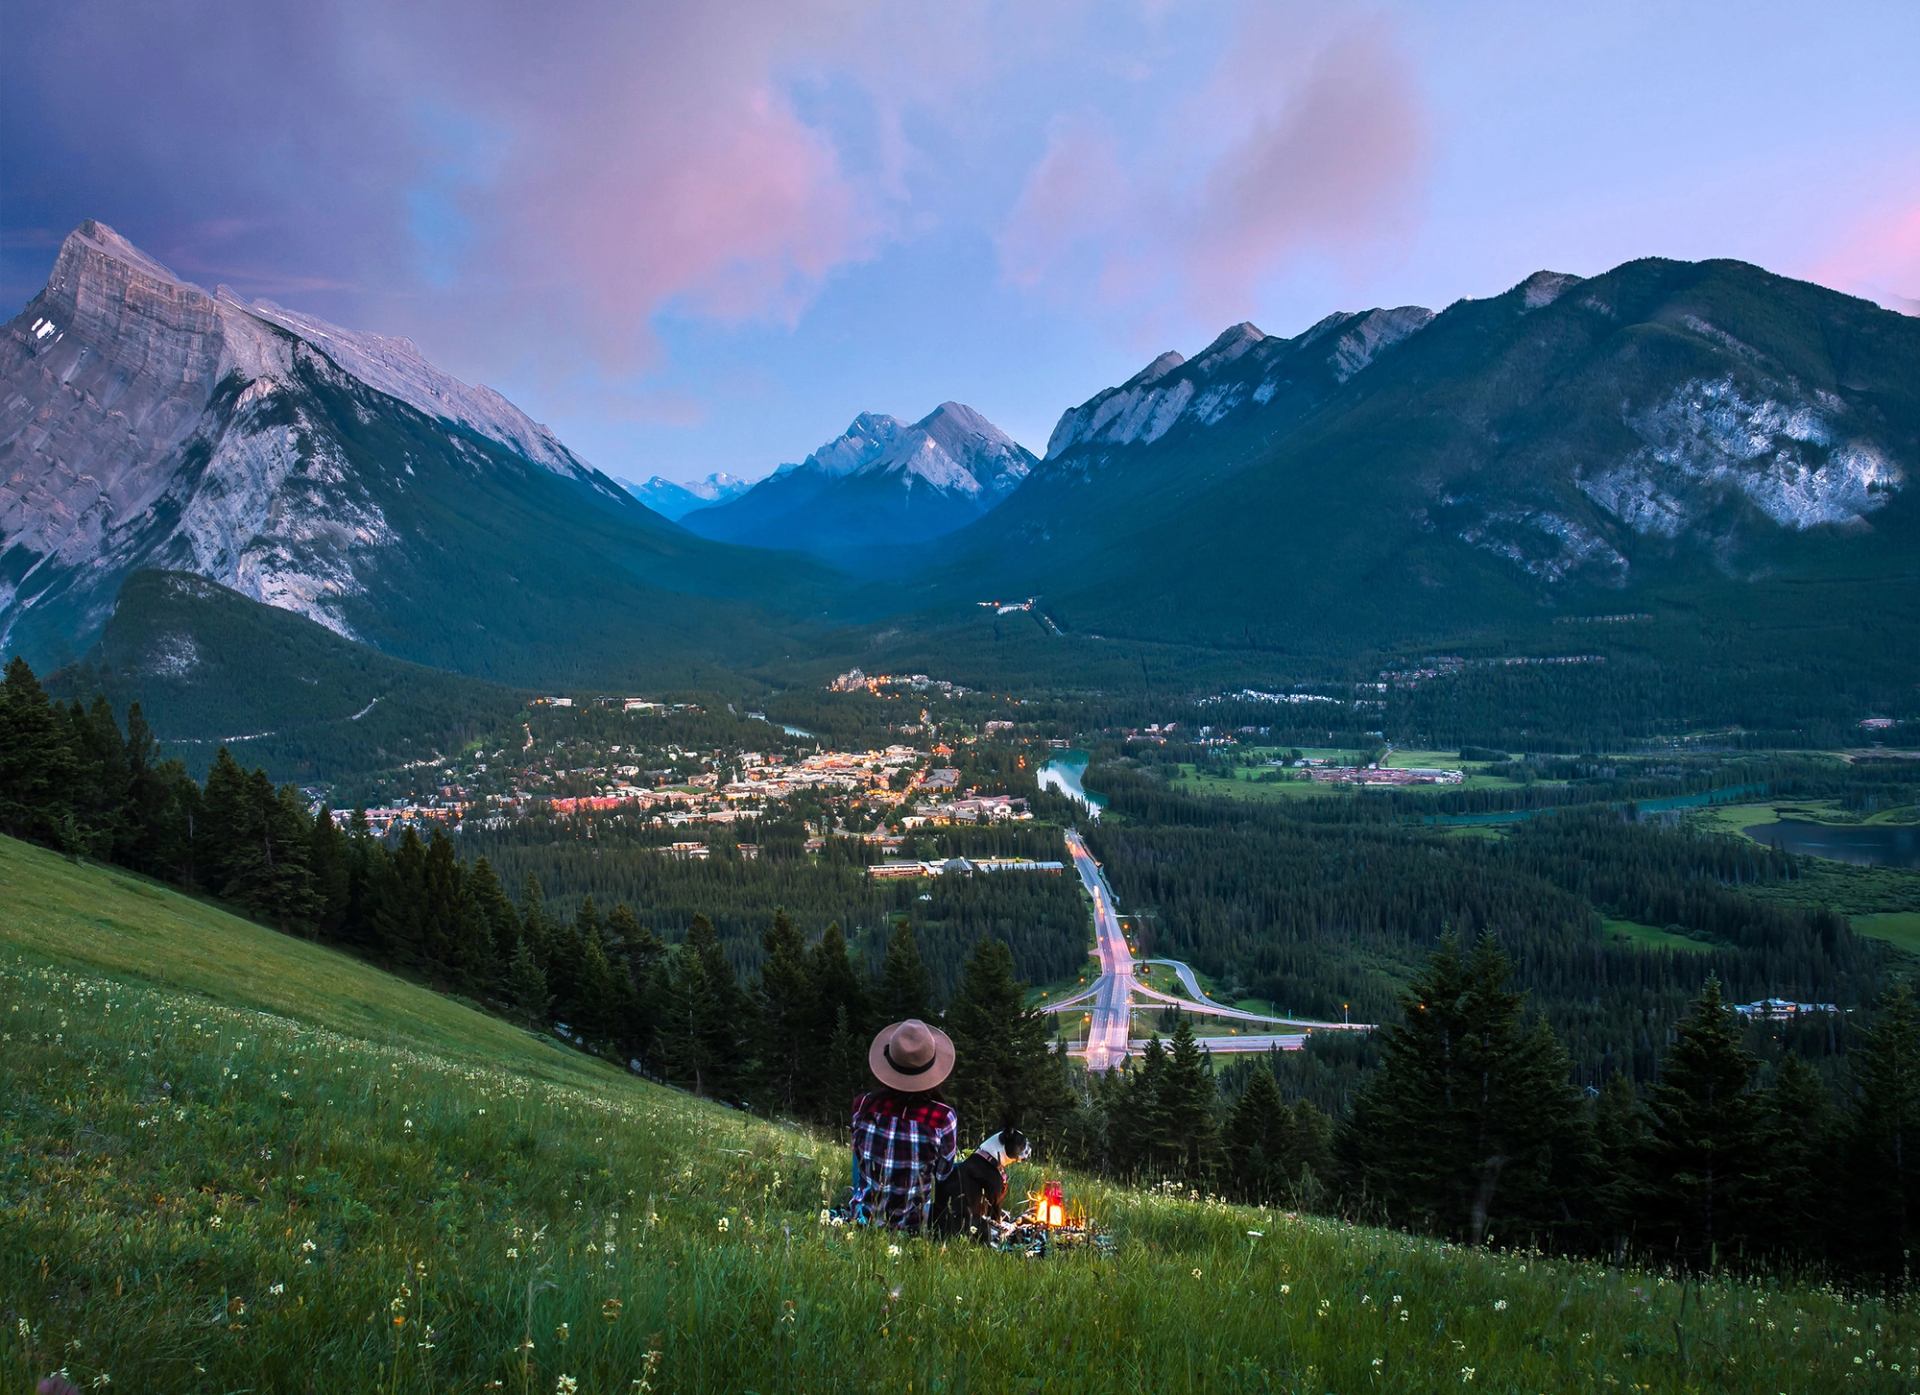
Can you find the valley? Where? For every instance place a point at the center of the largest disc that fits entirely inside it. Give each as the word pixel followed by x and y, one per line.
pixel 793 698
pixel 575 1211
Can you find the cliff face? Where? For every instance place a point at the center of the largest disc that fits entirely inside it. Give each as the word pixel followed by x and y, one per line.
pixel 145 423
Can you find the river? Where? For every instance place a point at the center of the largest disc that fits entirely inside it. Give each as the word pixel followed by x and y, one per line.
pixel 1063 773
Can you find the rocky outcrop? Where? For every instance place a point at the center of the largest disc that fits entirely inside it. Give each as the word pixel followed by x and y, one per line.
pixel 144 422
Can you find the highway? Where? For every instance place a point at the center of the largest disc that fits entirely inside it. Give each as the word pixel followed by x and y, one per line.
pixel 1109 1003
pixel 1275 1041
pixel 1109 1035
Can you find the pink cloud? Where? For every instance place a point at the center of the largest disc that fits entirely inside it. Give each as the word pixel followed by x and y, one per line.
pixel 1878 257
pixel 1074 194
pixel 650 161
pixel 1277 156
pixel 1338 167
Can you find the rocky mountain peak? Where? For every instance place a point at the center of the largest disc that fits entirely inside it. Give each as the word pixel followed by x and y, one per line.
pixel 1544 287
pixel 94 248
pixel 1158 369
pixel 1232 342
pixel 1365 335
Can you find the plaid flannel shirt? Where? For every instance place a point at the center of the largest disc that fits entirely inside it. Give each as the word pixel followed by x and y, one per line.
pixel 902 1146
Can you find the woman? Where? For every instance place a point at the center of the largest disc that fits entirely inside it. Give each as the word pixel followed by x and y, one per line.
pixel 904 1139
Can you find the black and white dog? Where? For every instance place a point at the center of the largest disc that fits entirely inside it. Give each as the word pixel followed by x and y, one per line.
pixel 972 1200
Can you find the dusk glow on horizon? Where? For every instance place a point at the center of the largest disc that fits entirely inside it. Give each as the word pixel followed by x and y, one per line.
pixel 703 237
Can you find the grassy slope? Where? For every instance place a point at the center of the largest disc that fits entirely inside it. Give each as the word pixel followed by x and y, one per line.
pixel 230 1160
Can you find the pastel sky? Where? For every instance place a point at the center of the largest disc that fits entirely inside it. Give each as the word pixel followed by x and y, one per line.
pixel 693 235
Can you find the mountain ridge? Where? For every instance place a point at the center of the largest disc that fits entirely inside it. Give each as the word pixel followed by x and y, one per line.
pixel 1394 472
pixel 145 423
pixel 880 483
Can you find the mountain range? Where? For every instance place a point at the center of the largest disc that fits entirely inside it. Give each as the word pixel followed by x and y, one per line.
pixel 882 483
pixel 671 499
pixel 1568 445
pixel 1724 449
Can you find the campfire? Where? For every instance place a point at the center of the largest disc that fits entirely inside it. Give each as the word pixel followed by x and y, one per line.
pixel 1049 1223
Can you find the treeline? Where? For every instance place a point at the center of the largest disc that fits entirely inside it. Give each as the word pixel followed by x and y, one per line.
pixel 1321 911
pixel 791 1038
pixel 1471 1129
pixel 1041 917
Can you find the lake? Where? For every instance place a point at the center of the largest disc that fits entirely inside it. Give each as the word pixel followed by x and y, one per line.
pixel 1866 844
pixel 1062 775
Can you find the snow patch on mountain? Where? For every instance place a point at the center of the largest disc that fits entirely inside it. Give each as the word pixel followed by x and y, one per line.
pixel 954 448
pixel 673 499
pixel 1789 459
pixel 174 654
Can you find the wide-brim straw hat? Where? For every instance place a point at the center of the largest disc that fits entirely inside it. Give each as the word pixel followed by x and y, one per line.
pixel 911 1056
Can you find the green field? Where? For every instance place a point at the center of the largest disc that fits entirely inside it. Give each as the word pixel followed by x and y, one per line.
pixel 1251 782
pixel 1242 784
pixel 1900 928
pixel 230 1161
pixel 1651 936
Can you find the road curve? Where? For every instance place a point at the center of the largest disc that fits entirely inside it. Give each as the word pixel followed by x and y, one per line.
pixel 1113 995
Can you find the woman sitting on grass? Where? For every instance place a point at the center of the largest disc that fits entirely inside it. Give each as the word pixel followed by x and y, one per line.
pixel 904 1140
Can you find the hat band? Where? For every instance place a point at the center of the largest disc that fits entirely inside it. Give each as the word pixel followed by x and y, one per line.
pixel 921 1069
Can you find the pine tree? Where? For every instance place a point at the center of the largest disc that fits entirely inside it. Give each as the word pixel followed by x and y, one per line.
pixel 228 846
pixel 399 902
pixel 788 1050
pixel 294 902
pixel 497 919
pixel 527 986
pixel 327 857
pixel 1619 1128
pixel 646 962
pixel 103 781
pixel 1883 1139
pixel 446 952
pixel 1256 1141
pixel 1470 1121
pixel 1796 1218
pixel 1188 1101
pixel 36 759
pixel 905 988
pixel 1307 1156
pixel 536 926
pixel 1703 1161
pixel 839 1001
pixel 707 1023
pixel 843 1069
pixel 1004 1075
pixel 598 1015
pixel 1136 1114
pixel 369 872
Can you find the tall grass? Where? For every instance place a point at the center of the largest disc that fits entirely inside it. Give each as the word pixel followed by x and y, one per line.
pixel 198 1195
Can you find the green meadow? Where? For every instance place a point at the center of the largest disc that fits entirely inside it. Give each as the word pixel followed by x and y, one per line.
pixel 232 1161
